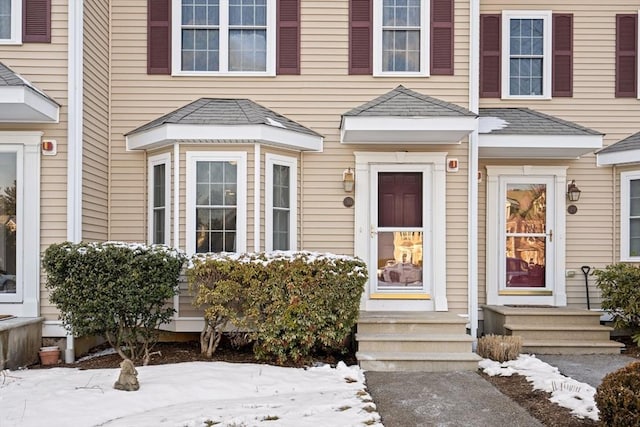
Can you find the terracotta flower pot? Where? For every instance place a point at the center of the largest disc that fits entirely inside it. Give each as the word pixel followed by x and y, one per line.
pixel 49 355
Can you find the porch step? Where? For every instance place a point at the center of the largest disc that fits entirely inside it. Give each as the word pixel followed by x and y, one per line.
pixel 412 362
pixel 552 330
pixel 414 343
pixel 559 332
pixel 571 347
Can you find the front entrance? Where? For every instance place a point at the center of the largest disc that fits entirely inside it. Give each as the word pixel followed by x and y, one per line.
pixel 400 230
pixel 525 235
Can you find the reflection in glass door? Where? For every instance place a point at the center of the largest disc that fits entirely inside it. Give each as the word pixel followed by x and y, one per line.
pixel 399 232
pixel 527 233
pixel 8 223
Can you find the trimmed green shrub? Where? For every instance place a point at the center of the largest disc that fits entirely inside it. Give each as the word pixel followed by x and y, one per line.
pixel 620 287
pixel 115 290
pixel 618 397
pixel 291 304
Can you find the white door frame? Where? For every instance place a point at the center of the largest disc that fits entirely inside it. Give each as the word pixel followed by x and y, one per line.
pixel 366 165
pixel 496 294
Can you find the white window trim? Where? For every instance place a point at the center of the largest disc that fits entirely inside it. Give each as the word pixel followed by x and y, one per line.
pixel 27 145
pixel 161 159
pixel 176 43
pixel 292 163
pixel 16 24
pixel 545 15
pixel 425 40
pixel 625 227
pixel 241 214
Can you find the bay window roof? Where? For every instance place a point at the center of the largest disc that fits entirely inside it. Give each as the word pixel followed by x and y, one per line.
pixel 22 102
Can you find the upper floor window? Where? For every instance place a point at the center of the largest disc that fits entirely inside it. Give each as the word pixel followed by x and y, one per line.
pixel 630 216
pixel 223 36
pixel 216 202
pixel 400 41
pixel 281 203
pixel 526 48
pixel 159 198
pixel 10 21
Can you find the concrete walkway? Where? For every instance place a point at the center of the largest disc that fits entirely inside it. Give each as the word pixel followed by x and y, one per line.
pixel 421 399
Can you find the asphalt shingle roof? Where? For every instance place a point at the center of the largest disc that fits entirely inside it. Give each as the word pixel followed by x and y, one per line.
pixel 228 112
pixel 9 78
pixel 403 102
pixel 627 144
pixel 524 121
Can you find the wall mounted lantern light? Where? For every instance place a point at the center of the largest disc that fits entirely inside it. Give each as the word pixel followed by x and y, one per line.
pixel 348 180
pixel 573 192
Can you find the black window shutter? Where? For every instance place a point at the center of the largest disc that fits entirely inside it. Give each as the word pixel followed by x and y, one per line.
pixel 288 37
pixel 159 36
pixel 36 21
pixel 442 12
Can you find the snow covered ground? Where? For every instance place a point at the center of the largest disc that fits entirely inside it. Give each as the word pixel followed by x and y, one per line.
pixel 565 391
pixel 189 395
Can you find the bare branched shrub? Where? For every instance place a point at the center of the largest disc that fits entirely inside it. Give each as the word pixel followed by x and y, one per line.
pixel 500 347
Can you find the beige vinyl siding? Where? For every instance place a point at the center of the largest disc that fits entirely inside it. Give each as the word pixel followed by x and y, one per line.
pixel 95 132
pixel 317 98
pixel 592 233
pixel 50 77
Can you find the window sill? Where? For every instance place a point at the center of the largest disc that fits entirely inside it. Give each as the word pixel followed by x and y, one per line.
pixel 214 74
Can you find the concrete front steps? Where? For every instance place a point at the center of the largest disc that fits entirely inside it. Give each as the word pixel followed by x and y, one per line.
pixel 414 341
pixel 552 330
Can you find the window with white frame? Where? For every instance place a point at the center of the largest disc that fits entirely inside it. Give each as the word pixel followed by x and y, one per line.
pixel 281 202
pixel 630 216
pixel 216 201
pixel 10 21
pixel 159 198
pixel 526 58
pixel 223 36
pixel 400 37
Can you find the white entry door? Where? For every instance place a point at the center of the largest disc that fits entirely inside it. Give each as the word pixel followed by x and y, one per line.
pixel 525 234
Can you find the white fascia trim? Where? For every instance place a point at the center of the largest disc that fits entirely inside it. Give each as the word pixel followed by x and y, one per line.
pixel 257 154
pixel 545 15
pixel 592 142
pixel 75 107
pixel 425 40
pixel 241 204
pixel 176 195
pixel 43 109
pixel 292 163
pixel 266 134
pixel 160 159
pixel 395 125
pixel 618 157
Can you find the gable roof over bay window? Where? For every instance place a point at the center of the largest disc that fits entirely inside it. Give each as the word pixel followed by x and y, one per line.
pixel 516 133
pixel 405 116
pixel 22 102
pixel 222 120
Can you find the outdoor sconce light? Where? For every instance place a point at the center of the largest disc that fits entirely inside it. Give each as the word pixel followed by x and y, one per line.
pixel 573 192
pixel 348 180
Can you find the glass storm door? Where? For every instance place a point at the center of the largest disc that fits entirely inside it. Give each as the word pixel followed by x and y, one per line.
pixel 9 227
pixel 527 231
pixel 398 232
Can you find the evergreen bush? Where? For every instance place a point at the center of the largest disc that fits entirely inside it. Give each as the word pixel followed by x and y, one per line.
pixel 116 290
pixel 618 397
pixel 619 284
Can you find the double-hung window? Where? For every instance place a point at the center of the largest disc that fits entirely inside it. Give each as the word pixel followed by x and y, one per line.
pixel 159 198
pixel 630 216
pixel 400 37
pixel 224 37
pixel 281 203
pixel 526 47
pixel 10 21
pixel 216 201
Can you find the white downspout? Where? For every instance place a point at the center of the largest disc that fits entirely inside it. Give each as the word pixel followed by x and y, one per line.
pixel 474 93
pixel 256 198
pixel 74 138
